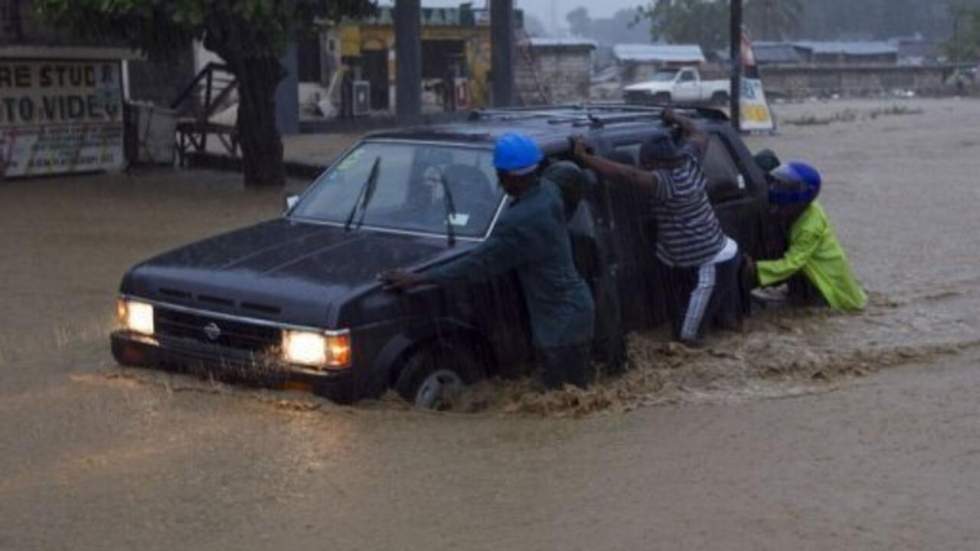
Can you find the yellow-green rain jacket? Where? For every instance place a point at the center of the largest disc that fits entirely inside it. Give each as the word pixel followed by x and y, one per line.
pixel 813 248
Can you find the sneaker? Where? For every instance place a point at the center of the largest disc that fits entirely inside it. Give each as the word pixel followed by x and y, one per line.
pixel 692 343
pixel 771 294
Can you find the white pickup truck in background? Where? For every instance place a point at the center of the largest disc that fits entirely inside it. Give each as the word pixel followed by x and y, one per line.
pixel 678 86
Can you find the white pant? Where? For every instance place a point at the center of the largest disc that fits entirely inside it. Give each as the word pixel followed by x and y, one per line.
pixel 701 295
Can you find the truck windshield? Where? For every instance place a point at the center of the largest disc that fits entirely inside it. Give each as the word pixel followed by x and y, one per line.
pixel 408 193
pixel 664 76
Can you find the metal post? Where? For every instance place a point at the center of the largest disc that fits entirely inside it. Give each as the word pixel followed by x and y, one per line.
pixel 502 51
pixel 736 57
pixel 408 59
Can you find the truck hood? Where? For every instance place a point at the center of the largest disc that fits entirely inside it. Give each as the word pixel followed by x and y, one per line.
pixel 281 270
pixel 649 86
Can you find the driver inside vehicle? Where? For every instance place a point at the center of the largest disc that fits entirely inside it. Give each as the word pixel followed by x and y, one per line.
pixel 441 189
pixel 425 202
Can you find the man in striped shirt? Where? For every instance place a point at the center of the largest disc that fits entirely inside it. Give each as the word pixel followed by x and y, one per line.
pixel 690 241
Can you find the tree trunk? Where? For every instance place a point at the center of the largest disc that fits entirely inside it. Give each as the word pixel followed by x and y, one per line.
pixel 258 134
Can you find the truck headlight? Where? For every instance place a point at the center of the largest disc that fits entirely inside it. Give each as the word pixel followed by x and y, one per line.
pixel 315 349
pixel 135 316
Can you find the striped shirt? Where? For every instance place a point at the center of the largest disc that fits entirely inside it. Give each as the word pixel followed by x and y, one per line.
pixel 688 232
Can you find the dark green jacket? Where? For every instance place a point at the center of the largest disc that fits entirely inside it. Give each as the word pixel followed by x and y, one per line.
pixel 531 238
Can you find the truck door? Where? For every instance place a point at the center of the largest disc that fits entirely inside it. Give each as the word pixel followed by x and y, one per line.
pixel 687 88
pixel 634 238
pixel 733 194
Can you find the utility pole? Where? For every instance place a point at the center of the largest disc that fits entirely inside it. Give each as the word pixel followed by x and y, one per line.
pixel 502 51
pixel 408 60
pixel 766 34
pixel 736 56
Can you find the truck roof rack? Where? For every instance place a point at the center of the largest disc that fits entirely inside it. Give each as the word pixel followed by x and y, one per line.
pixel 592 114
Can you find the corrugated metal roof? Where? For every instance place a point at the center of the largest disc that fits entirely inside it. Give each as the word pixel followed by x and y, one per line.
pixel 849 48
pixel 542 42
pixel 776 52
pixel 678 53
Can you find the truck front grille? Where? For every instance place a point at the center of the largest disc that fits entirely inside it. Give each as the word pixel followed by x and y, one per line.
pixel 218 331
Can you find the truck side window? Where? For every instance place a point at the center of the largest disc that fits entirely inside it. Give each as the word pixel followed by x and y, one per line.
pixel 687 76
pixel 724 179
pixel 624 153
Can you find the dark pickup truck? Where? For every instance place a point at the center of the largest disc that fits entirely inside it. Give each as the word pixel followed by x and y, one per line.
pixel 295 300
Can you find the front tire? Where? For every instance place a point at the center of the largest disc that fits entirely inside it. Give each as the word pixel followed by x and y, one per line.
pixel 435 374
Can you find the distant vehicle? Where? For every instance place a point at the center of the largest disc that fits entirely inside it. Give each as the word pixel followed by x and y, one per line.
pixel 678 85
pixel 296 300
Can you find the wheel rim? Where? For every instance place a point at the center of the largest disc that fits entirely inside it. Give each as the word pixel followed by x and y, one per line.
pixel 434 390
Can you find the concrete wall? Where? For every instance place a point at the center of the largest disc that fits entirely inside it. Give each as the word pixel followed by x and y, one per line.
pixel 558 74
pixel 851 80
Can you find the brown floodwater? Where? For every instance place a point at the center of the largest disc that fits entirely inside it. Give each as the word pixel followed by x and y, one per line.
pixel 791 434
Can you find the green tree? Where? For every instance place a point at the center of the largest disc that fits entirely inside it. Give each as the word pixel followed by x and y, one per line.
pixel 703 22
pixel 579 21
pixel 964 44
pixel 533 26
pixel 250 35
pixel 773 19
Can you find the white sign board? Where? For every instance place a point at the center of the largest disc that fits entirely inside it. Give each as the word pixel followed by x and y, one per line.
pixel 59 117
pixel 754 108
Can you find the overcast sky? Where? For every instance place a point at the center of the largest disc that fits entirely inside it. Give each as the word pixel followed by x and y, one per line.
pixel 548 11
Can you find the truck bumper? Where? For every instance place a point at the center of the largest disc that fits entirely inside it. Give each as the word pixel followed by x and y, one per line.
pixel 188 356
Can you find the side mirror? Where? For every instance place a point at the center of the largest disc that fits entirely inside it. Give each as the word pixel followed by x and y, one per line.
pixel 291 201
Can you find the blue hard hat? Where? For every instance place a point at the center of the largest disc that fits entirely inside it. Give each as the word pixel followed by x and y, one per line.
pixel 516 152
pixel 795 182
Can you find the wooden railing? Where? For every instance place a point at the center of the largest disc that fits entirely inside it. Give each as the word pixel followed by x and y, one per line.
pixel 209 91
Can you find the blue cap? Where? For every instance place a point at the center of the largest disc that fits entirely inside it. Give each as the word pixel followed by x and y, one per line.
pixel 516 152
pixel 803 184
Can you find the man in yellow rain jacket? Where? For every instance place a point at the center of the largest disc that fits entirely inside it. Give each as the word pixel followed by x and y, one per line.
pixel 813 247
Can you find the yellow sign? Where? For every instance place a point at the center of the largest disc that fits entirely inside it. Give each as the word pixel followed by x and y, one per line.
pixel 753 107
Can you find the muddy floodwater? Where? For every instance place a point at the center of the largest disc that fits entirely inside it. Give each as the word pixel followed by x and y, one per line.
pixel 809 431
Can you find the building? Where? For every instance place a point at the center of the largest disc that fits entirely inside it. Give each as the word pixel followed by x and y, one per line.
pixel 639 62
pixel 553 70
pixel 833 53
pixel 455 62
pixel 455 51
pixel 855 53
pixel 916 50
pixel 771 53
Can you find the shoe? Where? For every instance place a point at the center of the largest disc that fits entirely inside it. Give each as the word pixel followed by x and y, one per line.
pixel 693 344
pixel 769 295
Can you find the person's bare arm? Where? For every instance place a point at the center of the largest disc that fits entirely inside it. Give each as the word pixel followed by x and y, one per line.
pixel 613 170
pixel 691 133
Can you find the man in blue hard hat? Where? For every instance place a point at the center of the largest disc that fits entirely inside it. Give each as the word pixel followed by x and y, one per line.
pixel 531 238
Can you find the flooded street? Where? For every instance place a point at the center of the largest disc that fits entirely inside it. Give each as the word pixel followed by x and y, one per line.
pixel 791 435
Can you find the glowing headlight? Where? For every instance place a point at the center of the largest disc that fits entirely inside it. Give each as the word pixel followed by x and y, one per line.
pixel 135 316
pixel 316 349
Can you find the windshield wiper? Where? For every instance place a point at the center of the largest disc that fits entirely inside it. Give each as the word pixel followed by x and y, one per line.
pixel 365 195
pixel 447 199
